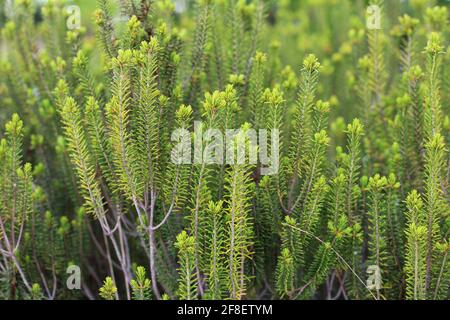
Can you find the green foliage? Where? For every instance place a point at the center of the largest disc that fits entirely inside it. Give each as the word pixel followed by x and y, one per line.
pixel 109 290
pixel 36 292
pixel 187 284
pixel 238 222
pixel 141 285
pixel 215 241
pixel 285 273
pixel 436 207
pixel 116 152
pixel 416 232
pixel 81 159
pixel 377 225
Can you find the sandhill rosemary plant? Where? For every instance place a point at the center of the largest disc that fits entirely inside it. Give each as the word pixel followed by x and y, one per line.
pixel 224 149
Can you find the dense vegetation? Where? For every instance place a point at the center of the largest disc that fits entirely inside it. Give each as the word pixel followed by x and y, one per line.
pixel 358 208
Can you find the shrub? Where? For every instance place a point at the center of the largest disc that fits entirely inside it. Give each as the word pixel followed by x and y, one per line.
pixel 94 172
